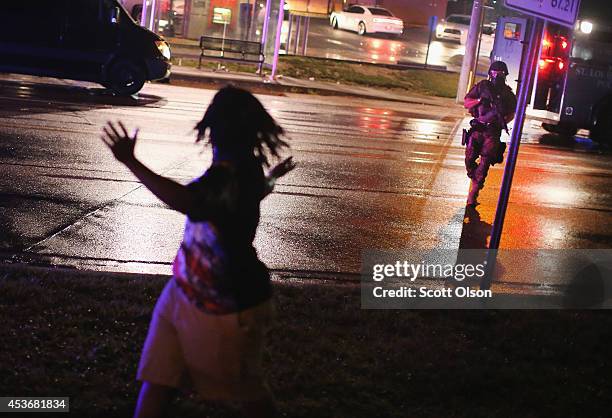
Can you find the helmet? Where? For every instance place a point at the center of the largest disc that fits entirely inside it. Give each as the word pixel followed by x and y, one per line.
pixel 499 66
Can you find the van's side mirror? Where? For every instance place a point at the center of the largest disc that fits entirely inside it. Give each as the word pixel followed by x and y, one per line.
pixel 115 14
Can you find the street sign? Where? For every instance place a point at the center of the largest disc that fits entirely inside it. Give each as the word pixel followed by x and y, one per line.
pixel 563 12
pixel 222 15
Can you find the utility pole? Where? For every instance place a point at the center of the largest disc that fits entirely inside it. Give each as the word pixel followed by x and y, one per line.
pixel 470 58
pixel 529 65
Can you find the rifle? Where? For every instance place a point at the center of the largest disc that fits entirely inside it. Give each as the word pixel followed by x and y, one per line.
pixel 496 105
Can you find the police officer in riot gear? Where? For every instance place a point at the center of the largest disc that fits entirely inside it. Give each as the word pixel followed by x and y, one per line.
pixel 492 104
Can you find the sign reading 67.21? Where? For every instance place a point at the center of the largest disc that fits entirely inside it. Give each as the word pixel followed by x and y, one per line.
pixel 563 12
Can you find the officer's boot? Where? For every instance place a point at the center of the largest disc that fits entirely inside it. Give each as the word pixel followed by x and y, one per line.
pixel 473 194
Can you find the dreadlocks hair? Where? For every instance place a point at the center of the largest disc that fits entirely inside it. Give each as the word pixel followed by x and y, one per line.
pixel 237 121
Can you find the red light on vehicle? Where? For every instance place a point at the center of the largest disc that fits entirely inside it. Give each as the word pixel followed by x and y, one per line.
pixel 545 43
pixel 564 44
pixel 543 63
pixel 561 65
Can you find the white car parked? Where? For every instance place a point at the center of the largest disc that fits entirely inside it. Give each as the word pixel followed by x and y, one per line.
pixel 456 27
pixel 366 19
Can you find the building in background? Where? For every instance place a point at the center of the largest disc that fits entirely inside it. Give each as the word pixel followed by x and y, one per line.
pixel 309 7
pixel 459 7
pixel 194 18
pixel 243 19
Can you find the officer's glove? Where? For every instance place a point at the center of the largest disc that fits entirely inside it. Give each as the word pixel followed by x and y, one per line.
pixel 485 102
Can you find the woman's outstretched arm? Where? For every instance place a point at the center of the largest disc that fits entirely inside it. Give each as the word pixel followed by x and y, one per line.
pixel 277 172
pixel 173 194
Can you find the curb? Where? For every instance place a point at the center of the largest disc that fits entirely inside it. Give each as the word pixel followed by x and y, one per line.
pixel 278 275
pixel 504 297
pixel 73 272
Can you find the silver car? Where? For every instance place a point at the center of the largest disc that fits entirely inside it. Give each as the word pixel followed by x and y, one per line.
pixel 456 27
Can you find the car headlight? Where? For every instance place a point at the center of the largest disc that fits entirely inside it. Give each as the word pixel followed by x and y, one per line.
pixel 439 28
pixel 164 48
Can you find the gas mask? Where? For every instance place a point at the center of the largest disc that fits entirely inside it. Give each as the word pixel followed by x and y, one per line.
pixel 498 78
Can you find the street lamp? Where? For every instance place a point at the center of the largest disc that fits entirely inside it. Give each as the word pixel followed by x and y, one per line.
pixel 586 27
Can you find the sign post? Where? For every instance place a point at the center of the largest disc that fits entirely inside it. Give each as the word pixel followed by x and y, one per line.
pixel 433 22
pixel 466 76
pixel 528 65
pixel 277 41
pixel 223 16
pixel 558 11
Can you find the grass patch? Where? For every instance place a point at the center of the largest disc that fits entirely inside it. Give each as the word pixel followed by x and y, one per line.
pixel 80 336
pixel 426 82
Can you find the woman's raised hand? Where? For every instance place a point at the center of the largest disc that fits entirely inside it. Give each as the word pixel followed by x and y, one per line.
pixel 119 141
pixel 282 168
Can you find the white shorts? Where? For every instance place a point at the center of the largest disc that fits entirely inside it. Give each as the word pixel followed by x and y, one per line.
pixel 217 355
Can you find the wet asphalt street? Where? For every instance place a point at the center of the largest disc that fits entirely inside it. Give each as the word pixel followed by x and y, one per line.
pixel 371 174
pixel 410 48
